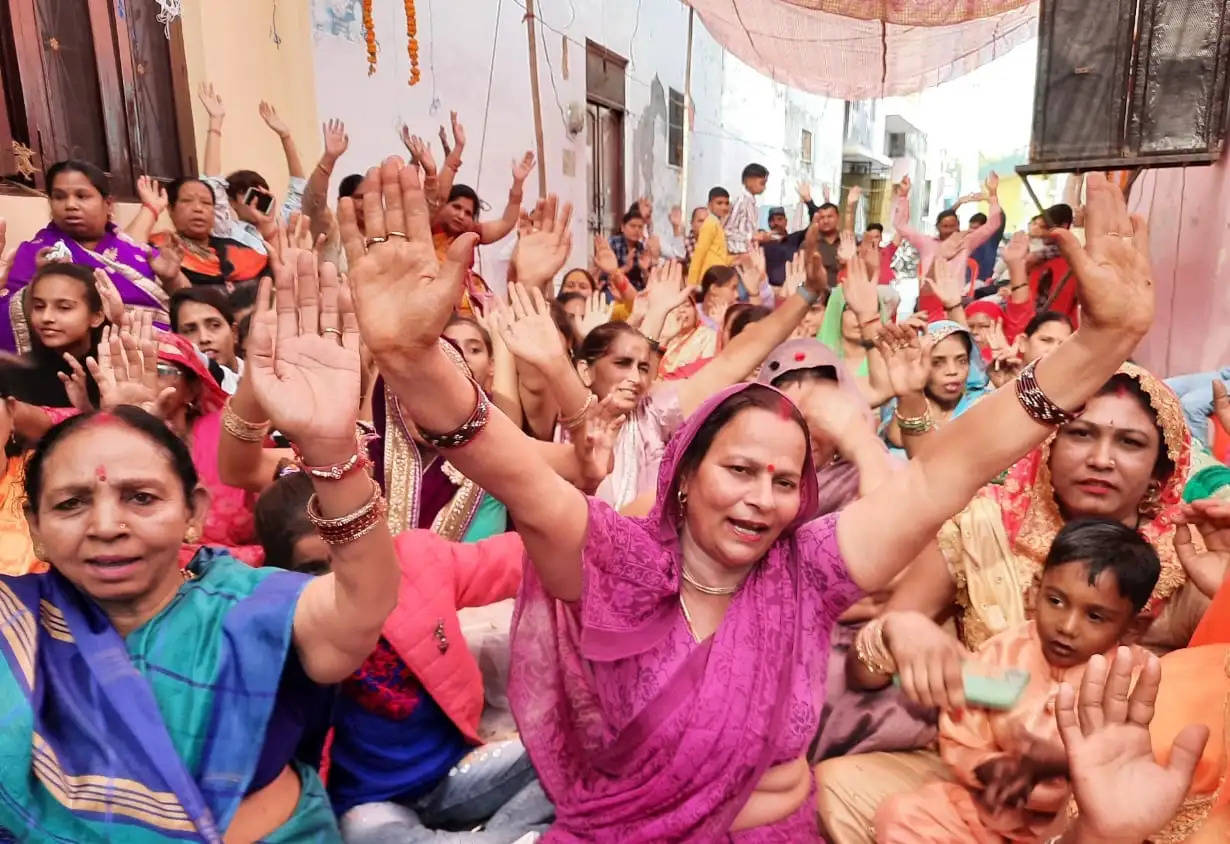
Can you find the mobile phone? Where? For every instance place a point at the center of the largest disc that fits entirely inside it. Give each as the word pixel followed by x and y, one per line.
pixel 991 691
pixel 263 201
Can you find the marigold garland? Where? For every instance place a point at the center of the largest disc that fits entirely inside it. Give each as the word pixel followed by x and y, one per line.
pixel 412 46
pixel 369 28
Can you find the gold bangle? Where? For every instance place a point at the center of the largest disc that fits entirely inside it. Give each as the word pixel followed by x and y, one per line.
pixel 580 416
pixel 352 526
pixel 914 425
pixel 240 428
pixel 871 649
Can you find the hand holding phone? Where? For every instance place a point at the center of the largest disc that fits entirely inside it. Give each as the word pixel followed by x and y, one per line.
pixel 258 199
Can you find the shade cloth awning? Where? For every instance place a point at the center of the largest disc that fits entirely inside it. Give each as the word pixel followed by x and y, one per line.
pixel 862 50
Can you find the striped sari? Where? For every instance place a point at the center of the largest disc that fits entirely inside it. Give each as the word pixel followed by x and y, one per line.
pixel 153 736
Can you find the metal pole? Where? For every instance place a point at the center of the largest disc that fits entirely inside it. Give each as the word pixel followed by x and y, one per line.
pixel 687 124
pixel 529 29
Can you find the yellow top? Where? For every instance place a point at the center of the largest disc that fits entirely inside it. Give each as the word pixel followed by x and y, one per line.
pixel 710 250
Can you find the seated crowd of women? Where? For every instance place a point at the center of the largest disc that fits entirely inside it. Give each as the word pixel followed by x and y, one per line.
pixel 238 566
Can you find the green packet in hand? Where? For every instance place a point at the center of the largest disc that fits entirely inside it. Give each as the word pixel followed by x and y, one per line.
pixel 990 691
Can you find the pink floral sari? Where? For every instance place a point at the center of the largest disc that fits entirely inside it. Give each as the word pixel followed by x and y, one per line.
pixel 638 733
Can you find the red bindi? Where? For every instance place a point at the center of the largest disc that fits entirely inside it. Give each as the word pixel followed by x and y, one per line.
pixel 100 472
pixel 800 356
pixel 771 468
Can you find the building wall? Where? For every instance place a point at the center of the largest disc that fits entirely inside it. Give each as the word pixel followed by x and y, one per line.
pixel 474 59
pixel 224 44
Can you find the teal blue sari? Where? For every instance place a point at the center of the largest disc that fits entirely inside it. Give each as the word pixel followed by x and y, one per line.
pixel 153 736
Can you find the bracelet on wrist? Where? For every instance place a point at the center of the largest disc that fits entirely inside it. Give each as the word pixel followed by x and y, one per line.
pixel 240 428
pixel 913 426
pixel 152 209
pixel 1037 404
pixel 467 430
pixel 809 295
pixel 871 649
pixel 578 418
pixel 336 471
pixel 1013 288
pixel 352 526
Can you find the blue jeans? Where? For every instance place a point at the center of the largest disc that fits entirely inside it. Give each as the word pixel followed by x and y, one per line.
pixel 1195 393
pixel 495 786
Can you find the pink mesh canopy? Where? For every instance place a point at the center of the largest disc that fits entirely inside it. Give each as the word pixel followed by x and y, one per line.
pixel 862 49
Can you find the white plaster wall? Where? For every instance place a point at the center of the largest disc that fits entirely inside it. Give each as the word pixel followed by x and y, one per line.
pixel 474 59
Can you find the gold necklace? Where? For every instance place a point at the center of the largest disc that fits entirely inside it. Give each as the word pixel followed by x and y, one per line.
pixel 707 590
pixel 687 618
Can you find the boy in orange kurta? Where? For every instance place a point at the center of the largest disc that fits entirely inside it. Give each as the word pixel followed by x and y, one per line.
pixel 1011 769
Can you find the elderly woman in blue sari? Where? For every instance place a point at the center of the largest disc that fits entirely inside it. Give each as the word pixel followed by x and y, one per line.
pixel 140 702
pixel 933 387
pixel 81 232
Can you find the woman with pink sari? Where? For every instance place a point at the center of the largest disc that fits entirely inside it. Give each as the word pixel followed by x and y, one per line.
pixel 668 671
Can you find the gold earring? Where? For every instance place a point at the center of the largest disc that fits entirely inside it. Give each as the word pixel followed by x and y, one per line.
pixel 682 497
pixel 1151 505
pixel 191 535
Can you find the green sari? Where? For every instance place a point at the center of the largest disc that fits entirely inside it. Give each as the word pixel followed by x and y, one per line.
pixel 154 736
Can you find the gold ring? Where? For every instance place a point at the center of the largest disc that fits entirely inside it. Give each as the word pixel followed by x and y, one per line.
pixel 402 235
pixel 372 240
pixel 332 331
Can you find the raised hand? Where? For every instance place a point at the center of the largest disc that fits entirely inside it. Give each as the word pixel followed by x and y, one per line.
pixel 544 246
pixel 991 186
pixel 854 195
pixel 817 277
pixel 949 279
pixel 403 296
pixel 212 101
pixel 1207 569
pixel 522 169
pixel 665 289
pixel 420 151
pixel 152 194
pixel 307 378
pixel 270 115
pixel 1017 249
pixel 796 274
pixel 597 312
pixel 804 190
pixel 595 445
pixel 336 139
pixel 167 262
pixel 757 270
pixel 675 218
pixel 834 415
pixel 459 132
pixel 861 295
pixel 908 358
pixel 126 369
pixel 604 255
pixel 1115 287
pixel 902 188
pixel 845 246
pixel 528 330
pixel 113 303
pixel 1123 794
pixel 75 386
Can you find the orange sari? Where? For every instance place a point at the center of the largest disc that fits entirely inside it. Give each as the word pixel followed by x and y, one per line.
pixel 476 293
pixel 16 549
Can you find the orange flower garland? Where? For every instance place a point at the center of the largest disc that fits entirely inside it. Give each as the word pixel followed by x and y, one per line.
pixel 369 28
pixel 412 31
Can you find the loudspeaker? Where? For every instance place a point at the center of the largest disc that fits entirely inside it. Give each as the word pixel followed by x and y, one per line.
pixel 1130 83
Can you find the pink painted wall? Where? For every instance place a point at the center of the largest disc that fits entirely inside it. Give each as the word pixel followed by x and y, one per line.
pixel 1188 210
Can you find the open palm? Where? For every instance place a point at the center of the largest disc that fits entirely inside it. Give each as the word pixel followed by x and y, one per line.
pixel 907 357
pixel 306 380
pixel 403 295
pixel 1121 790
pixel 1115 281
pixel 543 247
pixel 528 330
